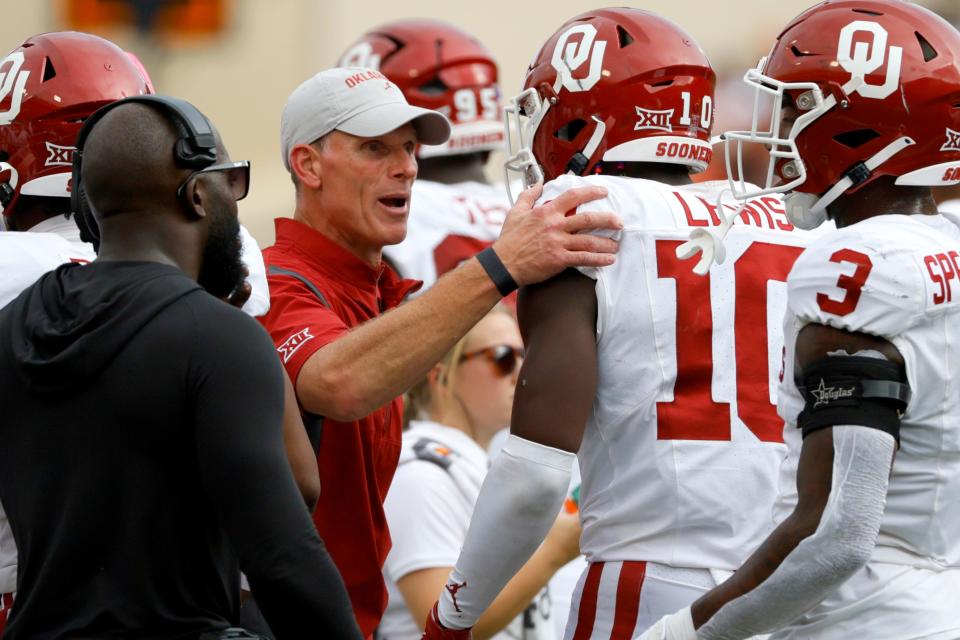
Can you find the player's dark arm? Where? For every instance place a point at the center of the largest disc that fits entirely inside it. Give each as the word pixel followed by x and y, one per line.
pixel 246 474
pixel 303 461
pixel 554 396
pixel 813 488
pixel 836 559
pixel 524 489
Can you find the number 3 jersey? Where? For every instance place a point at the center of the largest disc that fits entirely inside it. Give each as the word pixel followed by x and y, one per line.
pixel 897 277
pixel 680 457
pixel 447 225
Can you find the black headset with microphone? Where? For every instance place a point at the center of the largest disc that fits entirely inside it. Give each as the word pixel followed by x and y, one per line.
pixel 195 149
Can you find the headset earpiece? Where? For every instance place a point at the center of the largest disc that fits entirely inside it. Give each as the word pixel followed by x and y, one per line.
pixel 192 157
pixel 85 221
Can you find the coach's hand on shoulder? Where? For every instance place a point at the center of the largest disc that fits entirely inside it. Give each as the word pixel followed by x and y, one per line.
pixel 434 630
pixel 539 241
pixel 676 626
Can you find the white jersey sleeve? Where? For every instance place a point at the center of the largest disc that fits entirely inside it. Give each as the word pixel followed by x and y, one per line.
pixel 25 256
pixel 950 206
pixel 556 187
pixel 850 280
pixel 259 302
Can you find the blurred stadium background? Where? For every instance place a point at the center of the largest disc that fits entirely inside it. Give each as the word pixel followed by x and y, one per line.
pixel 238 60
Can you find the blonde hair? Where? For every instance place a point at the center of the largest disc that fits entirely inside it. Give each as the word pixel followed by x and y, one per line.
pixel 417 401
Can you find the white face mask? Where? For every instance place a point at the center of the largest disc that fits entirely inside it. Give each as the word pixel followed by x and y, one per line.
pixel 522 117
pixel 766 131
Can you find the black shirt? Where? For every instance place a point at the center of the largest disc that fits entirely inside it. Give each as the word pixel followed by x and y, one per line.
pixel 141 456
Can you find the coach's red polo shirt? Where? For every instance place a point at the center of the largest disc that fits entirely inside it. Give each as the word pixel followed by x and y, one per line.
pixel 318 291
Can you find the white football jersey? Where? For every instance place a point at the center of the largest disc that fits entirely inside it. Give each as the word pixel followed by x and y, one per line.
pixel 448 223
pixel 258 304
pixel 950 206
pixel 897 277
pixel 25 256
pixel 679 459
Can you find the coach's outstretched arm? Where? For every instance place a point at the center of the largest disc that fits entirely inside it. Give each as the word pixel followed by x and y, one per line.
pixel 376 362
pixel 842 478
pixel 527 482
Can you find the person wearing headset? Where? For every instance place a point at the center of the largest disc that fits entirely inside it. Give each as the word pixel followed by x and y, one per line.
pixel 143 462
pixel 65 77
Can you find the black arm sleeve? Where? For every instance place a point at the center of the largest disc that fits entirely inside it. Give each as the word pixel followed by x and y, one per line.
pixel 244 470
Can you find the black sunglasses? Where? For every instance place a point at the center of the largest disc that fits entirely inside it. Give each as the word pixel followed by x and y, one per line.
pixel 504 357
pixel 238 177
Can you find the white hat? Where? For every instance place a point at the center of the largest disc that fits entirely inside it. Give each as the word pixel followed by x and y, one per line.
pixel 355 100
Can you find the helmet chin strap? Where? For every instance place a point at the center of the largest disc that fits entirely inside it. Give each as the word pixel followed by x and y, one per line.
pixel 8 188
pixel 806 211
pixel 861 171
pixel 578 163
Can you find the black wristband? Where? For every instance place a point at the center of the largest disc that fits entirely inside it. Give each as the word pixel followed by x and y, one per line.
pixel 494 267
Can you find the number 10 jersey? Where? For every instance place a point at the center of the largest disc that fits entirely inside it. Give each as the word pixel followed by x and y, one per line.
pixel 680 457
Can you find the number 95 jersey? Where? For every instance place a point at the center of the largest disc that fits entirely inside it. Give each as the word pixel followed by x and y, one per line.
pixel 897 277
pixel 680 457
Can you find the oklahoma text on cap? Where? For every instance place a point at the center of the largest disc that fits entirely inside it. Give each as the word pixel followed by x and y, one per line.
pixel 355 100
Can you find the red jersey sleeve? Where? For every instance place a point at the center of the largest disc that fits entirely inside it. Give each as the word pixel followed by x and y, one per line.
pixel 299 323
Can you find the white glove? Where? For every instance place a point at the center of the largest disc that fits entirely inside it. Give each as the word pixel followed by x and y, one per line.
pixel 676 626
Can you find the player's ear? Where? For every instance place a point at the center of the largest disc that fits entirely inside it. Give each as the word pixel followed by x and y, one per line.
pixel 194 197
pixel 306 165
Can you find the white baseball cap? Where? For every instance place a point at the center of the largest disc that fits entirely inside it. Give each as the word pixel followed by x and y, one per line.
pixel 355 100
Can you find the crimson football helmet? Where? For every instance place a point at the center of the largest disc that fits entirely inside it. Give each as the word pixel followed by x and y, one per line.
pixel 48 86
pixel 612 85
pixel 876 88
pixel 440 67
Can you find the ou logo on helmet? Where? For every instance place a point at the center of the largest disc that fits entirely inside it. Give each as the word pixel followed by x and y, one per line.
pixel 361 55
pixel 853 57
pixel 12 83
pixel 570 56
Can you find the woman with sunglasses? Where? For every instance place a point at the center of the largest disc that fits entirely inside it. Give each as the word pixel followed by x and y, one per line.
pixel 455 411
